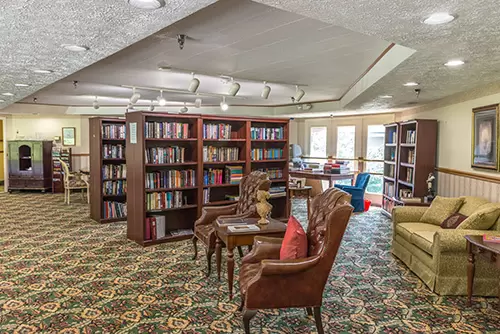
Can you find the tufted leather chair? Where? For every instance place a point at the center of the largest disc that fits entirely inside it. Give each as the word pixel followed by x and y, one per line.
pixel 244 208
pixel 268 283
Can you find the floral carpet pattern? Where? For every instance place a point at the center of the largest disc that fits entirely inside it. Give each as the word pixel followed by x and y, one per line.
pixel 61 272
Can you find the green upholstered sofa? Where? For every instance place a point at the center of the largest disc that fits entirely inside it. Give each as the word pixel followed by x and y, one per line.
pixel 439 256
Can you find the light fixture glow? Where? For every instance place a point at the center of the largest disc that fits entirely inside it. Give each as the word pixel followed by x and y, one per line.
pixel 135 97
pixel 161 100
pixel 386 96
pixel 454 63
pixel 95 104
pixel 266 91
pixel 147 4
pixel 194 84
pixel 439 18
pixel 42 71
pixel 21 85
pixel 2 101
pixel 234 89
pixel 7 94
pixel 75 48
pixel 223 105
pixel 411 84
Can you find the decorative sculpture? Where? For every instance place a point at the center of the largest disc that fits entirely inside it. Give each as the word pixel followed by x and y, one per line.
pixel 263 207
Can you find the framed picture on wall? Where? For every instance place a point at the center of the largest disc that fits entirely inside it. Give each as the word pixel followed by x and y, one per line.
pixel 485 137
pixel 69 136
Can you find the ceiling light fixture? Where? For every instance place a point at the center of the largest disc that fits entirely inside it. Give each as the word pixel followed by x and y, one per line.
pixel 197 103
pixel 2 101
pixel 184 109
pixel 266 91
pixel 454 63
pixel 96 104
pixel 299 94
pixel 194 84
pixel 75 48
pixel 21 85
pixel 411 84
pixel 234 89
pixel 42 71
pixel 386 96
pixel 147 4
pixel 161 100
pixel 223 105
pixel 135 96
pixel 7 94
pixel 151 106
pixel 439 18
pixel 164 68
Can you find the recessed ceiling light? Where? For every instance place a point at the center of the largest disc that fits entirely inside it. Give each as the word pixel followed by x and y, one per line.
pixel 1 101
pixel 410 84
pixel 41 71
pixel 454 63
pixel 147 4
pixel 164 68
pixel 439 18
pixel 21 85
pixel 7 94
pixel 75 48
pixel 386 96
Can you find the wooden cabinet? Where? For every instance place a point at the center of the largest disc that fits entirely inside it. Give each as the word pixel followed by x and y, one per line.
pixel 30 164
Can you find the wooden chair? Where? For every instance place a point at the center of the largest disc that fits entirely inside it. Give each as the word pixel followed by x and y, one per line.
pixel 73 181
pixel 269 283
pixel 244 208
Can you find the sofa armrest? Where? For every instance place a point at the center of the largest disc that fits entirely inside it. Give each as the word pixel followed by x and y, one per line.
pixel 405 214
pixel 454 240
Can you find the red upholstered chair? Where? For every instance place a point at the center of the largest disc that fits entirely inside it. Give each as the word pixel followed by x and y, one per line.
pixel 244 208
pixel 268 283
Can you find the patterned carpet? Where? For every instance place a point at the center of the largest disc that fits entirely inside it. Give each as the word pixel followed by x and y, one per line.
pixel 60 272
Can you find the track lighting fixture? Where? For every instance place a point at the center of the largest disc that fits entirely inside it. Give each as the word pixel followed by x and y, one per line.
pixel 223 105
pixel 161 100
pixel 135 97
pixel 184 109
pixel 234 89
pixel 181 39
pixel 96 104
pixel 194 84
pixel 197 103
pixel 266 91
pixel 299 94
pixel 151 106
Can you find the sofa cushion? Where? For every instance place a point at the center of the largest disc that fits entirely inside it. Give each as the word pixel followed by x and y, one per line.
pixel 440 209
pixel 453 221
pixel 423 240
pixel 484 218
pixel 406 230
pixel 471 204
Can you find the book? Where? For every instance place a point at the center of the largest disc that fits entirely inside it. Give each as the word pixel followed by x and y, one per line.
pixel 243 228
pixel 491 238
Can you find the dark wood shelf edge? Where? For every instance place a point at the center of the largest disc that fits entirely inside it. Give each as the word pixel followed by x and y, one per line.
pixel 184 207
pixel 112 220
pixel 168 239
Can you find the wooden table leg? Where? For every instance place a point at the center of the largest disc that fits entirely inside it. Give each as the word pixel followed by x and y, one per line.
pixel 471 267
pixel 218 255
pixel 331 183
pixel 230 268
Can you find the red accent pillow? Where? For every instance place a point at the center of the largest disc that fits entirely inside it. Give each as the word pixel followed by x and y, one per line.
pixel 294 244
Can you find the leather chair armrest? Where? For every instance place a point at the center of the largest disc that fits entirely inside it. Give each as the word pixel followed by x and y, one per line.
pixel 209 214
pixel 288 267
pixel 264 248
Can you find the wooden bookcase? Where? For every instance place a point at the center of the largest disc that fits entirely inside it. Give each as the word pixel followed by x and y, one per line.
pixel 107 153
pixel 414 160
pixel 211 144
pixel 391 152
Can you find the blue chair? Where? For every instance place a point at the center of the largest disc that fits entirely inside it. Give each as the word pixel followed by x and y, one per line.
pixel 357 192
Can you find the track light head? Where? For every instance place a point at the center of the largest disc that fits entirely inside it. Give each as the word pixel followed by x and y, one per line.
pixel 234 89
pixel 299 94
pixel 223 105
pixel 181 39
pixel 95 104
pixel 194 84
pixel 184 109
pixel 161 100
pixel 266 91
pixel 197 103
pixel 151 107
pixel 135 97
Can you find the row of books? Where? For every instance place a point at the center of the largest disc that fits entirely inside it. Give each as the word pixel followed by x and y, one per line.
pixel 411 136
pixel 411 156
pixel 156 228
pixel 403 193
pixel 277 191
pixel 234 174
pixel 171 179
pixel 390 171
pixel 266 153
pixel 214 176
pixel 114 171
pixel 389 189
pixel 165 155
pixel 267 133
pixel 169 130
pixel 274 173
pixel 114 209
pixel 114 187
pixel 113 131
pixel 391 137
pixel 164 200
pixel 113 151
pixel 392 154
pixel 220 154
pixel 216 131
pixel 409 175
pixel 206 195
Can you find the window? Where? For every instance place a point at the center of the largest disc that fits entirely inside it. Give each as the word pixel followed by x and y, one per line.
pixel 346 137
pixel 318 141
pixel 375 151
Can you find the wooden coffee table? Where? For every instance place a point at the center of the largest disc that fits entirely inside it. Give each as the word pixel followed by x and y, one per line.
pixel 476 245
pixel 275 228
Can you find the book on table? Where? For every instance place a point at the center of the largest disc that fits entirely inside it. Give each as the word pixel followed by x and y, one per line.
pixel 243 228
pixel 491 238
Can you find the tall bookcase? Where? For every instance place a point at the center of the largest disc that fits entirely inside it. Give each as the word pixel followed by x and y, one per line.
pixel 63 153
pixel 391 151
pixel 178 164
pixel 414 160
pixel 108 170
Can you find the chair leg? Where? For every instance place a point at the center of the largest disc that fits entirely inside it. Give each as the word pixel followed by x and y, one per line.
pixel 69 195
pixel 240 251
pixel 317 319
pixel 247 316
pixel 210 252
pixel 309 311
pixel 242 303
pixel 88 196
pixel 195 245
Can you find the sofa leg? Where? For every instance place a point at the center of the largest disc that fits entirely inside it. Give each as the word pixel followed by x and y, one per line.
pixel 247 316
pixel 210 252
pixel 195 245
pixel 309 311
pixel 317 319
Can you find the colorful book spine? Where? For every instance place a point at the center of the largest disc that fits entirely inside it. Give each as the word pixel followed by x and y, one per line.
pixel 114 172
pixel 164 200
pixel 171 179
pixel 274 173
pixel 266 153
pixel 166 130
pixel 217 131
pixel 113 131
pixel 257 133
pixel 114 209
pixel 114 187
pixel 113 151
pixel 220 154
pixel 165 155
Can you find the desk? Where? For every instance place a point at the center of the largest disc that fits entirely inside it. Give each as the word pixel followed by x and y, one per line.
pixel 275 228
pixel 323 176
pixel 476 245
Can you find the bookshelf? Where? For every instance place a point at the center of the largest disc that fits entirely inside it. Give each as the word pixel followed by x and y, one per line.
pixel 408 163
pixel 63 153
pixel 206 157
pixel 108 170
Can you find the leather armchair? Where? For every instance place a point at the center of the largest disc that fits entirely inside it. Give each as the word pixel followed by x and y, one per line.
pixel 244 208
pixel 268 283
